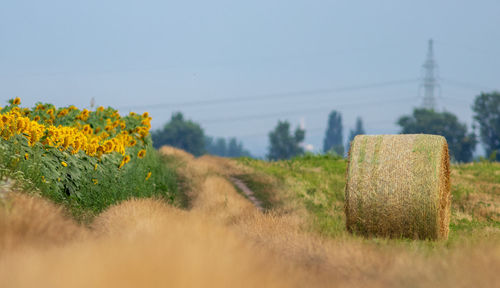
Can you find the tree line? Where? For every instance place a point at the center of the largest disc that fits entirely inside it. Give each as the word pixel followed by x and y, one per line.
pixel 285 143
pixel 189 136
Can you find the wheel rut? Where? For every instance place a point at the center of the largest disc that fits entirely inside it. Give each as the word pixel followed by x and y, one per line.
pixel 247 191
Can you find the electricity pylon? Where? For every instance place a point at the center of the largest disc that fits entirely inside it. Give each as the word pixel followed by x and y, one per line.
pixel 429 81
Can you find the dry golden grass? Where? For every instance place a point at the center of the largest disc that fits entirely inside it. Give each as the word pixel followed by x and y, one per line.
pixel 172 151
pixel 398 185
pixel 222 241
pixel 145 243
pixel 33 221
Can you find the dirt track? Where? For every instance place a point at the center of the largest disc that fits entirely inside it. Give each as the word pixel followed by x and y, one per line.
pixel 249 193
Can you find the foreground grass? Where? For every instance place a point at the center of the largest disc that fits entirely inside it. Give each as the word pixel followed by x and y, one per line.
pixel 316 183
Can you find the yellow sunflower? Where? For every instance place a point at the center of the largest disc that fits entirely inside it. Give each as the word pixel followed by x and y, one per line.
pixel 141 153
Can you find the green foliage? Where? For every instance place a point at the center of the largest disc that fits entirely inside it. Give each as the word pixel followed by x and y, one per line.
pixel 87 185
pixel 487 113
pixel 284 145
pixel 220 148
pixel 334 135
pixel 181 133
pixel 461 143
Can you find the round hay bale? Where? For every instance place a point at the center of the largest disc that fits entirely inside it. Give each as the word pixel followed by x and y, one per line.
pixel 398 186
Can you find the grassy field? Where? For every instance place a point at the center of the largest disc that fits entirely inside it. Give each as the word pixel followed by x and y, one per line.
pixel 312 183
pixel 315 183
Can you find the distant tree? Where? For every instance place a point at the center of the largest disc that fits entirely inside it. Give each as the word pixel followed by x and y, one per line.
pixel 461 143
pixel 180 133
pixel 220 148
pixel 216 147
pixel 358 130
pixel 487 114
pixel 209 144
pixel 235 149
pixel 284 145
pixel 334 136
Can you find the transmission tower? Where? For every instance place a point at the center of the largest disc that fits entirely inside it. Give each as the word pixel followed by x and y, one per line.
pixel 429 81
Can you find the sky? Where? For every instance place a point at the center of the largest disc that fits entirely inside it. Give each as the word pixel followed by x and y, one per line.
pixel 238 67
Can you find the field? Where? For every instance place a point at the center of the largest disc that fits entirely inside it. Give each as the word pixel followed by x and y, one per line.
pixel 169 219
pixel 315 184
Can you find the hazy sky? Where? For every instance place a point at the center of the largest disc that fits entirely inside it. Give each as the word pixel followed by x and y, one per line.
pixel 185 55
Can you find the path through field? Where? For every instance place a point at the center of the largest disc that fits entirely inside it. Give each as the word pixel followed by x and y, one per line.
pixel 247 191
pixel 221 240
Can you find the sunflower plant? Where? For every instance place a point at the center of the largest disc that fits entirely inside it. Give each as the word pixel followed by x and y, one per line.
pixel 85 159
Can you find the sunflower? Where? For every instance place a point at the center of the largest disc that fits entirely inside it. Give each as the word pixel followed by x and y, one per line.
pixel 109 146
pixel 62 113
pixel 126 159
pixel 16 101
pixel 141 154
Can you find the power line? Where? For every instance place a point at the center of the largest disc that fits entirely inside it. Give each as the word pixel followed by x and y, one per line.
pixel 267 96
pixel 469 48
pixel 315 130
pixel 452 99
pixel 298 111
pixel 467 85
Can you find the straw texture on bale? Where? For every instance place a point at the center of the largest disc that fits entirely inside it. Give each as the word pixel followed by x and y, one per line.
pixel 398 186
